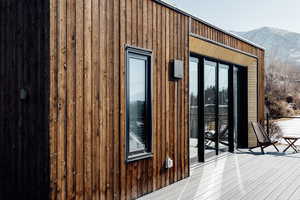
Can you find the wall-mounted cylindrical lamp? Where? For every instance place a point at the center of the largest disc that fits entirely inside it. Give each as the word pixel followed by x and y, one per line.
pixel 177 69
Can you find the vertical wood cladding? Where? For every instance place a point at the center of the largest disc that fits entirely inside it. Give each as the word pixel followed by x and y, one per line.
pixel 71 128
pixel 87 97
pixel 24 68
pixel 208 32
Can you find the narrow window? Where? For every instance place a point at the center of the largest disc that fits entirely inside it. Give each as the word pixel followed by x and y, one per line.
pixel 138 106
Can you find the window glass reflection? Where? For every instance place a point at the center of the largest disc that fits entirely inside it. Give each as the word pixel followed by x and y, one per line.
pixel 235 102
pixel 223 105
pixel 194 110
pixel 210 105
pixel 137 104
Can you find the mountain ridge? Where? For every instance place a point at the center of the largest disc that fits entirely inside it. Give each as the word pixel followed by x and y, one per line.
pixel 280 44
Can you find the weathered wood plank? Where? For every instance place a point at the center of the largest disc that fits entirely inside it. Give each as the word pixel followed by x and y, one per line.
pixel 116 99
pixel 171 100
pixel 96 163
pixel 102 97
pixel 128 168
pixel 154 99
pixel 87 73
pixel 142 32
pixel 109 100
pixel 53 100
pixel 71 91
pixel 79 101
pixel 61 156
pixel 167 90
pixel 163 95
pixel 136 166
pixel 122 116
pixel 129 174
pixel 186 103
pixel 176 104
pixel 181 114
pixel 159 92
pixel 149 41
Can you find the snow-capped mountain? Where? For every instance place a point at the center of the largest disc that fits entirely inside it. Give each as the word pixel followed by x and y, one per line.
pixel 280 44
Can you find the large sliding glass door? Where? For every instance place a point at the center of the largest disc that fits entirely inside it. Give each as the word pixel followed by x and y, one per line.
pixel 235 103
pixel 210 108
pixel 194 109
pixel 216 107
pixel 214 103
pixel 223 106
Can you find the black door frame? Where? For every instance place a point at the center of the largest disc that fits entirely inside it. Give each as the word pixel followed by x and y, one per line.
pixel 201 138
pixel 242 84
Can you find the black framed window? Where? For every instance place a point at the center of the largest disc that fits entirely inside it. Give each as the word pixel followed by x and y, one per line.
pixel 138 104
pixel 222 119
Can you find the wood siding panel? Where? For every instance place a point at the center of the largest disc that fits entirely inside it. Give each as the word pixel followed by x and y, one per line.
pixel 221 53
pixel 24 123
pixel 79 170
pixel 71 84
pixel 261 84
pixel 252 102
pixel 89 85
pixel 66 140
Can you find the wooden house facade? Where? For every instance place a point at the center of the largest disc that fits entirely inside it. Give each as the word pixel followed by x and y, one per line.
pixel 91 104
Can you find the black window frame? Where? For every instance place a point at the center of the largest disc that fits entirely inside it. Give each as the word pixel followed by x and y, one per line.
pixel 201 147
pixel 139 53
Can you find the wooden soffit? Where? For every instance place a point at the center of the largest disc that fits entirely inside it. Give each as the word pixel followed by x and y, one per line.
pixel 218 52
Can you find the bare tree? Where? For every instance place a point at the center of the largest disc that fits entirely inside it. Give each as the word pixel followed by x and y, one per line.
pixel 281 86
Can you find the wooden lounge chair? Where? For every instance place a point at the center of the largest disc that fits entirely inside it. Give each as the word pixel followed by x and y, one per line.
pixel 223 136
pixel 263 140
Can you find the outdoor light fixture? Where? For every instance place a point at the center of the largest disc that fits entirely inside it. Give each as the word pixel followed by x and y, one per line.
pixel 23 94
pixel 177 69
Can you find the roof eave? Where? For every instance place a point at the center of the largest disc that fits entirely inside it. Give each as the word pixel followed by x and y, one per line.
pixel 209 24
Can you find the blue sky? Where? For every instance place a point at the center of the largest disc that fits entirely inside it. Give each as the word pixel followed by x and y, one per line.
pixel 244 15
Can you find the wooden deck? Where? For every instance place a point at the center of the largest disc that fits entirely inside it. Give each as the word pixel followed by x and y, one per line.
pixel 243 175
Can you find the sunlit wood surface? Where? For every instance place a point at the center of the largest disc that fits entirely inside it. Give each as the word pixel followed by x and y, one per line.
pixel 243 175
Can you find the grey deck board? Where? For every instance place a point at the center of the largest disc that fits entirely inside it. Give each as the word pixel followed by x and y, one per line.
pixel 282 187
pixel 228 181
pixel 239 176
pixel 242 183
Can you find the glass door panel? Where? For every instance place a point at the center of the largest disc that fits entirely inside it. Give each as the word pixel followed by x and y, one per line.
pixel 194 109
pixel 235 103
pixel 223 105
pixel 214 96
pixel 210 100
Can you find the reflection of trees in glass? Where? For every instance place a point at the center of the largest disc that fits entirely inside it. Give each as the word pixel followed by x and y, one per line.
pixel 194 117
pixel 223 97
pixel 209 108
pixel 209 95
pixel 223 103
pixel 193 99
pixel 137 125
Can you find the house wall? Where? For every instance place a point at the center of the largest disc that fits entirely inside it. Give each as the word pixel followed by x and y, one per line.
pixel 87 96
pixel 24 66
pixel 87 126
pixel 67 137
